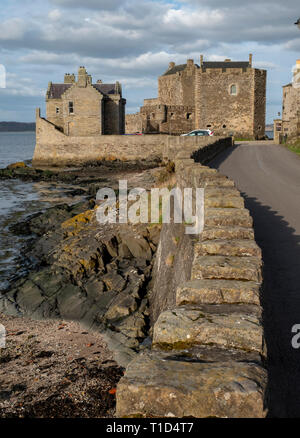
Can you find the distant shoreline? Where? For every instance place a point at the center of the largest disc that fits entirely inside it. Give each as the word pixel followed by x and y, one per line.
pixel 16 126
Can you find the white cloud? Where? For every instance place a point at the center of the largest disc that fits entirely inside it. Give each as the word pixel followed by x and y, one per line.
pixel 265 65
pixel 88 4
pixel 12 29
pixel 134 40
pixel 55 14
pixel 19 86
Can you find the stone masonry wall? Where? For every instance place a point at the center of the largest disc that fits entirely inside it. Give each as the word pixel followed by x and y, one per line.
pixel 52 115
pixel 207 343
pixel 260 79
pixel 86 119
pixel 53 148
pixel 290 109
pixel 179 88
pixel 133 123
pixel 234 112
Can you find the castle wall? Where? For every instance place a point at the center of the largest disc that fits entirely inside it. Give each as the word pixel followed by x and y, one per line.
pixel 179 88
pixel 154 101
pixel 220 111
pixel 86 119
pixel 260 83
pixel 54 148
pixel 52 115
pixel 133 123
pixel 190 97
pixel 179 120
pixel 152 116
pixel 290 109
pixel 113 115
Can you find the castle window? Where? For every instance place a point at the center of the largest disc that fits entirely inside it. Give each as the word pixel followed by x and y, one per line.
pixel 224 126
pixel 57 110
pixel 71 108
pixel 233 90
pixel 208 126
pixel 259 128
pixel 189 116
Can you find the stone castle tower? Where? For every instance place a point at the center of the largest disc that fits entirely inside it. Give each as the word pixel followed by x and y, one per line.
pixel 81 108
pixel 227 97
pixel 290 124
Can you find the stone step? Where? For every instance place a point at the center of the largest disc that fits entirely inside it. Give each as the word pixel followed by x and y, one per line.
pixel 241 248
pixel 227 217
pixel 227 268
pixel 221 181
pixel 229 233
pixel 226 326
pixel 224 202
pixel 218 292
pixel 223 192
pixel 158 385
pixel 212 180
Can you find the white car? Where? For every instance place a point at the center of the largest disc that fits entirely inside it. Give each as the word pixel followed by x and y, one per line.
pixel 201 132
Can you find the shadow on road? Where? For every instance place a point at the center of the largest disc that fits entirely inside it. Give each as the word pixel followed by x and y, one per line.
pixel 281 306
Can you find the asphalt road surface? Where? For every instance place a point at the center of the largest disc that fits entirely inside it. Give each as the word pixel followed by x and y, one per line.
pixel 268 177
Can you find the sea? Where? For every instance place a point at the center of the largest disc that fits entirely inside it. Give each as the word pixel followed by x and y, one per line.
pixel 270 134
pixel 19 200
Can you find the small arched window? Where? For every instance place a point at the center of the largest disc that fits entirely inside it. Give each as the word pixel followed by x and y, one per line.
pixel 233 90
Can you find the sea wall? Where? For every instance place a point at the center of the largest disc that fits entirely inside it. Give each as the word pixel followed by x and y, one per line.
pixel 54 148
pixel 207 343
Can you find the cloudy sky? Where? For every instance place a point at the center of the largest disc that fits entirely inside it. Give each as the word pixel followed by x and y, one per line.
pixel 134 40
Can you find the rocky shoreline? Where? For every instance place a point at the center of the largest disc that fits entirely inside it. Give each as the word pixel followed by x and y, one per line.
pixel 79 270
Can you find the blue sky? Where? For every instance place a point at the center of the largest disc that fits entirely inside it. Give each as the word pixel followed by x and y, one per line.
pixel 133 41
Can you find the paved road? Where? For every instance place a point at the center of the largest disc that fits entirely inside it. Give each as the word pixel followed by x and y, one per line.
pixel 269 178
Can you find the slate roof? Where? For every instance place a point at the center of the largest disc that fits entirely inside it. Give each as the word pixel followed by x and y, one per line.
pixel 209 64
pixel 56 90
pixel 105 88
pixel 175 69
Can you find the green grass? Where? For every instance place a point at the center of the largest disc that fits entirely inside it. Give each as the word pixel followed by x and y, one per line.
pixel 294 147
pixel 243 139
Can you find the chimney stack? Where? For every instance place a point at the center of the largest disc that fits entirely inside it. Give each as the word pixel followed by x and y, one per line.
pixel 82 77
pixel 250 59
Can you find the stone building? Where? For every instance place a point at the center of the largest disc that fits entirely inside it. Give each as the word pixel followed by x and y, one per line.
pixel 81 108
pixel 226 97
pixel 290 123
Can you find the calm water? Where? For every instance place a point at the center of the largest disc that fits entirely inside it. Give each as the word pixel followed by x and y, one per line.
pixel 16 146
pixel 19 199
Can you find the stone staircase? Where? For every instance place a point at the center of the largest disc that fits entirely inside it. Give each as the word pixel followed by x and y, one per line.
pixel 206 355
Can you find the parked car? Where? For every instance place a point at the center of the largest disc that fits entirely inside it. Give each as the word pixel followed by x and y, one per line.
pixel 199 132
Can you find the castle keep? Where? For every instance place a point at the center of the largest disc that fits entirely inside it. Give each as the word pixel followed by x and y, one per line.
pixel 81 108
pixel 226 97
pixel 289 126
